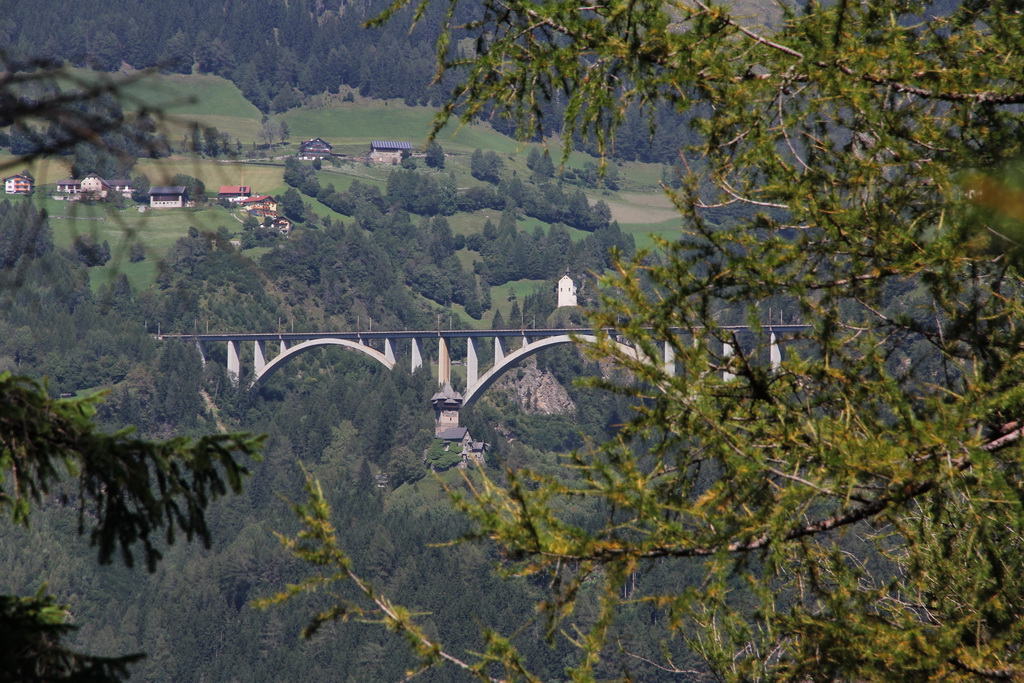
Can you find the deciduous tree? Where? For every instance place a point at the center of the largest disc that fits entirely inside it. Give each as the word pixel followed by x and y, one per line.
pixel 856 510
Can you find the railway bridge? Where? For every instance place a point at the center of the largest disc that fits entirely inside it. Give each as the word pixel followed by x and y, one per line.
pixel 271 350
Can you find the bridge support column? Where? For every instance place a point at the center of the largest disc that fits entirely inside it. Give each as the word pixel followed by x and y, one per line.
pixel 201 348
pixel 284 345
pixel 259 354
pixel 499 352
pixel 774 352
pixel 444 362
pixel 389 352
pixel 417 357
pixel 234 365
pixel 670 360
pixel 472 366
pixel 727 351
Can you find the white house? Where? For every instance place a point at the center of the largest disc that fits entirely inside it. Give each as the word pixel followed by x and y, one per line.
pixel 22 183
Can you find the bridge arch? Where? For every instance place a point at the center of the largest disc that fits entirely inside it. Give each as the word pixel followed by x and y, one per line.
pixel 274 365
pixel 491 376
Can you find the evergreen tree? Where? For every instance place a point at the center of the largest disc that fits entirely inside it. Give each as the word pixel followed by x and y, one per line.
pixel 291 202
pixel 435 155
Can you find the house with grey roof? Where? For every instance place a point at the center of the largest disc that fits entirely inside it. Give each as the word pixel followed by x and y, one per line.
pixel 388 151
pixel 163 197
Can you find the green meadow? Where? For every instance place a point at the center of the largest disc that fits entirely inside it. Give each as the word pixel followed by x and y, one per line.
pixel 207 100
pixel 640 207
pixel 350 126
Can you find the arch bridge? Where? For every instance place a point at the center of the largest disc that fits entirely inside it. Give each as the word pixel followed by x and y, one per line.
pixel 380 346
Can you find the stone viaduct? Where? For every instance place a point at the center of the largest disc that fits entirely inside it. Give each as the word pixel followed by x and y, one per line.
pixel 380 346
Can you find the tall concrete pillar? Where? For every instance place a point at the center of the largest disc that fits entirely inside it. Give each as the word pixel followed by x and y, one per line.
pixel 526 342
pixel 444 363
pixel 472 366
pixel 201 347
pixel 389 351
pixel 259 355
pixel 234 365
pixel 727 351
pixel 417 357
pixel 499 352
pixel 774 352
pixel 284 345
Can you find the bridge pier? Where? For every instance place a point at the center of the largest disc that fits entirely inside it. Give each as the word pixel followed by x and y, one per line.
pixel 444 363
pixel 234 365
pixel 259 355
pixel 472 364
pixel 417 357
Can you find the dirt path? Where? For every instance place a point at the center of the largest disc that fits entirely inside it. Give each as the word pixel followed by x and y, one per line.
pixel 213 411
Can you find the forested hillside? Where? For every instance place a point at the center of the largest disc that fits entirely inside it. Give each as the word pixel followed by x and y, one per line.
pixel 847 506
pixel 362 430
pixel 279 54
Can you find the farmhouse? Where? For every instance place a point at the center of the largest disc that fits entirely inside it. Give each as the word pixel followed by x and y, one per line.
pixel 281 224
pixel 264 203
pixel 388 151
pixel 234 193
pixel 168 197
pixel 22 183
pixel 314 149
pixel 93 186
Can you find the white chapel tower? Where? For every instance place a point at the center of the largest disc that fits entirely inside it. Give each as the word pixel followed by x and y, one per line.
pixel 566 292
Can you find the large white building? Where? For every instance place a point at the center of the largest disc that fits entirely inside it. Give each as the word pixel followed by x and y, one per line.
pixel 566 292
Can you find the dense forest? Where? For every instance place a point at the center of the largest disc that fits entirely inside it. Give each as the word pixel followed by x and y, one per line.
pixel 280 54
pixel 362 430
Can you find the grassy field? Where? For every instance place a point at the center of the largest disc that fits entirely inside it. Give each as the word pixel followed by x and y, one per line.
pixel 208 100
pixel 635 208
pixel 350 126
pixel 264 178
pixel 141 275
pixel 43 170
pixel 642 233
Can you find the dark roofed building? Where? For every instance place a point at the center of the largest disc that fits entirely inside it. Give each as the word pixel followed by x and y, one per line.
pixel 388 151
pixel 316 148
pixel 168 197
pixel 453 434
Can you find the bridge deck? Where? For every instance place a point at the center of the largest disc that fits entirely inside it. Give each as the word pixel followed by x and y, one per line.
pixel 427 334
